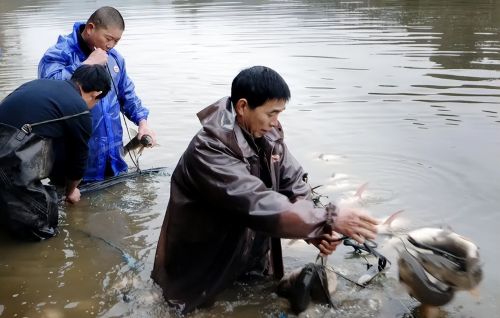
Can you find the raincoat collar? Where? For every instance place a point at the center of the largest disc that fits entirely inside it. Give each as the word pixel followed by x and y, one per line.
pixel 219 119
pixel 75 43
pixel 81 42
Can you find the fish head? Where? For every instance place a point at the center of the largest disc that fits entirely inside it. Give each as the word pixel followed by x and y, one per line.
pixel 444 241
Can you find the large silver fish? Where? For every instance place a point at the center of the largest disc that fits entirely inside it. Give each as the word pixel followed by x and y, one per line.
pixel 451 258
pixel 436 262
pixel 422 286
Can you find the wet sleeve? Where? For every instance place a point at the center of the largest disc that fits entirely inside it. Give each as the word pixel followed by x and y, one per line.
pixel 57 63
pixel 131 104
pixel 225 183
pixel 79 130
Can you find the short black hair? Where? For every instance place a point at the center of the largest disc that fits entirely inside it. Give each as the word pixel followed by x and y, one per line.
pixel 105 17
pixel 92 78
pixel 257 85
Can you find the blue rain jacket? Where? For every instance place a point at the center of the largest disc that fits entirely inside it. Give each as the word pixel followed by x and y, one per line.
pixel 105 144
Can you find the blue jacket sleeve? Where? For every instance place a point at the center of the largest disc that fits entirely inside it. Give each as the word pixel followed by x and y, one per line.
pixel 131 104
pixel 58 63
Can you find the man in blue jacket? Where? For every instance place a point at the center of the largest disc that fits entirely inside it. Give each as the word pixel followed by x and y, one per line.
pixel 93 43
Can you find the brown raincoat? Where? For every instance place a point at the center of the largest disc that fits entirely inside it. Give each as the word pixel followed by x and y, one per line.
pixel 221 215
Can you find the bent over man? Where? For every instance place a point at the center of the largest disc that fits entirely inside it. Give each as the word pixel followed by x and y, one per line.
pixel 93 42
pixel 235 191
pixel 45 126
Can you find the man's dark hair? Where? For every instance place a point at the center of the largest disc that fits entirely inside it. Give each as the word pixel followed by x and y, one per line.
pixel 92 78
pixel 257 85
pixel 105 17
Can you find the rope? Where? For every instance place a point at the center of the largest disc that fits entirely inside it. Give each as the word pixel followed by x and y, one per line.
pixel 27 128
pixel 135 160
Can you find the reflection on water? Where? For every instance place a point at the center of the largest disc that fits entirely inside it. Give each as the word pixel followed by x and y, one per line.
pixel 403 94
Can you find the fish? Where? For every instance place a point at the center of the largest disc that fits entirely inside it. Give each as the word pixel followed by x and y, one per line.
pixel 451 272
pixel 391 225
pixel 136 143
pixel 386 225
pixel 420 285
pixel 341 203
pixel 435 263
pixel 452 259
pixel 352 200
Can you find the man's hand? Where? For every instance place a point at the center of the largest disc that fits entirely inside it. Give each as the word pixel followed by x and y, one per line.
pixel 355 224
pixel 145 130
pixel 73 196
pixel 98 56
pixel 328 243
pixel 72 192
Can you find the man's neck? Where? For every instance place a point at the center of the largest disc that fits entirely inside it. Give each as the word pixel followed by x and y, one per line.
pixel 82 41
pixel 255 143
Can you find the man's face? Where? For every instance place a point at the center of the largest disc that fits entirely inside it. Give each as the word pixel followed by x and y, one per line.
pixel 90 98
pixel 103 38
pixel 260 120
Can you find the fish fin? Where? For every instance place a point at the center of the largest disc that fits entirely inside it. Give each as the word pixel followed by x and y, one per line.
pixel 385 227
pixel 360 190
pixel 475 293
pixel 391 218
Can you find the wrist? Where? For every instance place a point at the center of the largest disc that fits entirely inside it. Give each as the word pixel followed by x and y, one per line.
pixel 331 214
pixel 143 122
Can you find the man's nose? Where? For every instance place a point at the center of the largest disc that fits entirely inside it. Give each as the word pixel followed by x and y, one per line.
pixel 110 45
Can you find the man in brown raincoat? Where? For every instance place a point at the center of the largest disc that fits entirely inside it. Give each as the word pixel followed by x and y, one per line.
pixel 235 191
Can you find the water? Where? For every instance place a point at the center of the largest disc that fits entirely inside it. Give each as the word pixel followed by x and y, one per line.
pixel 402 94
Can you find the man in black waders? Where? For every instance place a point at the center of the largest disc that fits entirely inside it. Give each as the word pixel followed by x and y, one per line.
pixel 45 126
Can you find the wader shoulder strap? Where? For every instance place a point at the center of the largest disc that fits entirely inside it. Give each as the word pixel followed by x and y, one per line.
pixel 27 128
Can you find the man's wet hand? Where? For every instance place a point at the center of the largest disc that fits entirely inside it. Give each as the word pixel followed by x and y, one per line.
pixel 356 224
pixel 328 243
pixel 74 196
pixel 145 130
pixel 98 56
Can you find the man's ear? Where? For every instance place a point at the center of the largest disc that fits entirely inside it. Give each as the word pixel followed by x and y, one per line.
pixel 89 27
pixel 240 106
pixel 95 94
